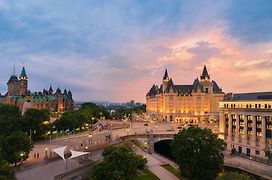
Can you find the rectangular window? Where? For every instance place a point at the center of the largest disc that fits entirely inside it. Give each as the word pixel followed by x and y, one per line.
pixel 257 152
pixel 240 150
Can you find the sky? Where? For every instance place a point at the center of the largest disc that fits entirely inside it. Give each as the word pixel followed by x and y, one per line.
pixel 116 50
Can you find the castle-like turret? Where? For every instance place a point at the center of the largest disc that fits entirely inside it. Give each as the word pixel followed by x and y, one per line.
pixel 165 80
pixel 205 75
pixel 23 82
pixel 13 85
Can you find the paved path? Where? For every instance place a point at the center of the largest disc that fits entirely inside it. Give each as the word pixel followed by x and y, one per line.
pixel 153 164
pixel 249 165
pixel 47 171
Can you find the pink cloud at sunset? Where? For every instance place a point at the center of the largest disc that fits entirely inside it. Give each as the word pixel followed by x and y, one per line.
pixel 116 51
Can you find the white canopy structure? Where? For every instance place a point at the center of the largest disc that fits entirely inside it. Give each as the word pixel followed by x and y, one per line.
pixel 77 154
pixel 60 151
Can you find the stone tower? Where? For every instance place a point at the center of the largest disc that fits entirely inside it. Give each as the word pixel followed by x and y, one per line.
pixel 13 86
pixel 23 82
pixel 205 80
pixel 59 100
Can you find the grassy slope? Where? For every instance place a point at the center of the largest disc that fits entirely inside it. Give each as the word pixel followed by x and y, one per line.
pixel 146 175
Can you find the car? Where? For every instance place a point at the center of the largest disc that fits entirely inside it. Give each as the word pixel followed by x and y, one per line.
pixel 145 124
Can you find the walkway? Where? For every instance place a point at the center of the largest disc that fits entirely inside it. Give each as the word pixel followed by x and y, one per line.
pixel 47 171
pixel 248 165
pixel 153 164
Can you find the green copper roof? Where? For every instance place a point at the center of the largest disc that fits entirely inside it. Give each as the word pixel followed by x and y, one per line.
pixel 23 73
pixel 34 98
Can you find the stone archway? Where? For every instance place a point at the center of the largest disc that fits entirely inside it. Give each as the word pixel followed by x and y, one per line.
pixel 163 148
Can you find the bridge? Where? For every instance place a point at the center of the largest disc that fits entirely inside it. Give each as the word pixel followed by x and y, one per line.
pixel 149 138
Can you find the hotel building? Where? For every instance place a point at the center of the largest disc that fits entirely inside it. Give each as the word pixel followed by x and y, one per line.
pixel 194 103
pixel 246 123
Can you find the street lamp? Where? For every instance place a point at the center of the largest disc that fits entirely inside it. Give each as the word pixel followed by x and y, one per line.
pixel 92 120
pixel 90 136
pixel 21 157
pixel 46 156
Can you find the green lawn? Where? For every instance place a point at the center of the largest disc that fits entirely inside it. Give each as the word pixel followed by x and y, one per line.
pixel 146 175
pixel 171 169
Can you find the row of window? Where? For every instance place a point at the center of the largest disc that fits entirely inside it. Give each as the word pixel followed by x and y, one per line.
pixel 248 152
pixel 265 106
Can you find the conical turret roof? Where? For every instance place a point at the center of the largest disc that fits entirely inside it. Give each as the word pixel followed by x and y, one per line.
pixel 23 74
pixel 205 74
pixel 166 77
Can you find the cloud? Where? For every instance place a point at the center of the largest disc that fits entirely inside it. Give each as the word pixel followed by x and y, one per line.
pixel 105 50
pixel 250 21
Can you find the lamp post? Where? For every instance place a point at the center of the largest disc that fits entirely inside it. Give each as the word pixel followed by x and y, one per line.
pixel 21 158
pixel 90 136
pixel 46 155
pixel 92 121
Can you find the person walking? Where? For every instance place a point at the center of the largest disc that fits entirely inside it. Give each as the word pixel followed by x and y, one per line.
pixel 38 155
pixel 34 155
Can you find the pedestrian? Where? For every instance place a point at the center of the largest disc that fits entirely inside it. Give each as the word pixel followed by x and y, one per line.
pixel 38 155
pixel 34 155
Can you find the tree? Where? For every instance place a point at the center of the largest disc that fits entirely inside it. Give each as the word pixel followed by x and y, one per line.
pixel 198 152
pixel 234 175
pixel 10 119
pixel 268 152
pixel 15 147
pixel 119 163
pixel 6 172
pixel 33 121
pixel 91 110
pixel 70 119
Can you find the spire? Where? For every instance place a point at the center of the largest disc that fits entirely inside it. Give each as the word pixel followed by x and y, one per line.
pixel 50 90
pixel 23 75
pixel 13 73
pixel 166 77
pixel 205 75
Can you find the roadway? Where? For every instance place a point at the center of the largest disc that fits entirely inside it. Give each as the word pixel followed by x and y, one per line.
pixel 81 140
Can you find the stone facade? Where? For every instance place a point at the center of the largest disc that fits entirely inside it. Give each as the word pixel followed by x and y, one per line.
pixel 18 94
pixel 195 103
pixel 246 123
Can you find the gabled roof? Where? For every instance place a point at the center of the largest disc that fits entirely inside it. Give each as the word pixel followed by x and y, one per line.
pixel 13 79
pixel 184 89
pixel 153 91
pixel 216 88
pixel 170 85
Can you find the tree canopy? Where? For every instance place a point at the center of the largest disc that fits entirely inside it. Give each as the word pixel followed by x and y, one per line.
pixel 87 113
pixel 118 164
pixel 33 120
pixel 70 119
pixel 15 147
pixel 198 152
pixel 6 172
pixel 120 113
pixel 10 119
